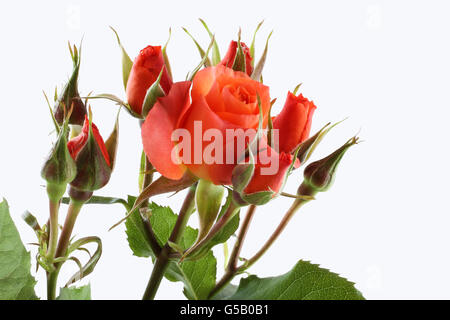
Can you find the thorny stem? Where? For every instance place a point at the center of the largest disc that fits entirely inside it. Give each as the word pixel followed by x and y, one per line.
pixel 162 259
pixel 231 268
pixel 303 190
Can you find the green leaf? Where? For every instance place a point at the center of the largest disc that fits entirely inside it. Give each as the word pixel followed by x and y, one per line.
pixel 305 281
pixel 74 293
pixel 198 276
pixel 16 282
pixel 136 235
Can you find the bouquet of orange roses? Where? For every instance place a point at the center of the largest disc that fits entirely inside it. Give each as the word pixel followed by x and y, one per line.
pixel 212 136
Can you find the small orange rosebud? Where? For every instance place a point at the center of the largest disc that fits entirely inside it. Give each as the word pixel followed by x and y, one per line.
pixel 146 68
pixel 294 122
pixel 230 57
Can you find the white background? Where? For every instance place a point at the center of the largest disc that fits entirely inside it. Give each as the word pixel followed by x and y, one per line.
pixel 385 64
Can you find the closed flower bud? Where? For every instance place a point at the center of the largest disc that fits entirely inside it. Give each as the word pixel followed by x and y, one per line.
pixel 230 57
pixel 319 175
pixel 294 122
pixel 59 169
pixel 258 183
pixel 93 158
pixel 208 199
pixel 144 72
pixel 264 184
pixel 69 97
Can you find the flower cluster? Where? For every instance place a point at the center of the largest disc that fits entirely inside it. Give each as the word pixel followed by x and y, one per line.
pixel 212 133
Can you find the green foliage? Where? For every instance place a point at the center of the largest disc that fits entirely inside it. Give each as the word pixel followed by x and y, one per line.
pixel 198 276
pixel 74 293
pixel 16 282
pixel 305 281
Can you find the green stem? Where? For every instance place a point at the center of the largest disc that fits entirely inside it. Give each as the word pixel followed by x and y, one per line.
pixel 218 226
pixel 162 260
pixel 231 270
pixel 64 240
pixel 151 237
pixel 53 229
pixel 303 190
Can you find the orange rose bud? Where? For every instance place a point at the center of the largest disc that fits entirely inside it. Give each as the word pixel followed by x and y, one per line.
pixel 143 74
pixel 294 122
pixel 230 57
pixel 92 160
pixel 269 182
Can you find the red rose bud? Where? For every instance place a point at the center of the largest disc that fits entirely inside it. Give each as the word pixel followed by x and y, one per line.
pixel 60 168
pixel 93 158
pixel 264 186
pixel 319 175
pixel 143 74
pixel 69 97
pixel 230 57
pixel 294 122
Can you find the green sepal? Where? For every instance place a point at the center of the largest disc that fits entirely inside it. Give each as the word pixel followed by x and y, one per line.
pixel 127 63
pixel 239 60
pixel 308 146
pixel 142 171
pixel 165 57
pixel 199 48
pixel 92 262
pixel 208 198
pixel 258 198
pixel 112 142
pixel 215 52
pixel 69 97
pixel 153 93
pixel 117 100
pixel 270 123
pixel 192 74
pixel 252 46
pixel 59 169
pixel 242 174
pixel 257 72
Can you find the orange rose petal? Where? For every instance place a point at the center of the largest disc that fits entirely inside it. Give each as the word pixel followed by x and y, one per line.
pixel 158 127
